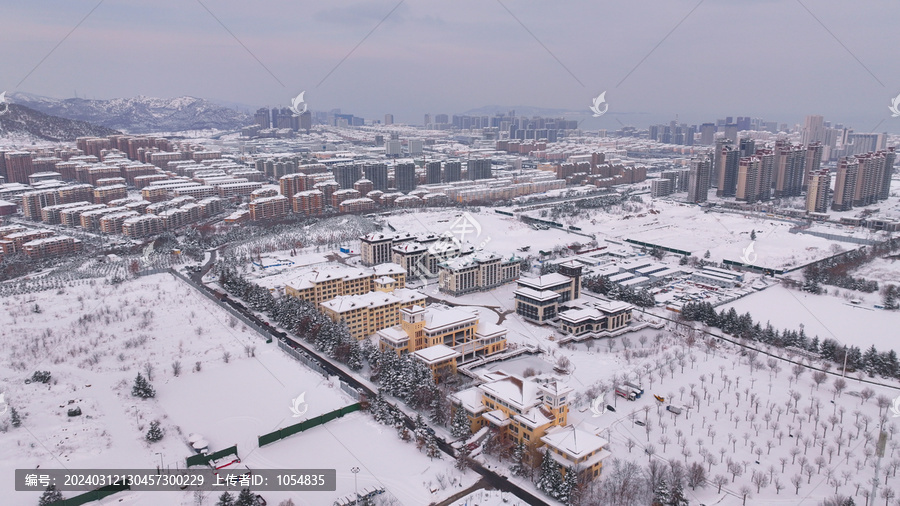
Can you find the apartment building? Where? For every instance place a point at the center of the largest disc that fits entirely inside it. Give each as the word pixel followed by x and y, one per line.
pixel 269 208
pixel 359 205
pixel 142 226
pixel 12 242
pixel 309 203
pixel 318 285
pixel 75 193
pixel 367 313
pixel 375 248
pixel 51 247
pixel 34 201
pixel 112 223
pixel 476 272
pixel 104 194
pixel 817 191
pixel 457 328
pixel 243 189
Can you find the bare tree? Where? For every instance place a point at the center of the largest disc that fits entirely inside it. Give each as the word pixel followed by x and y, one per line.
pixel 745 492
pixel 176 368
pixel 796 480
pixel 794 451
pixel 760 480
pixel 809 471
pixel 887 494
pixel 719 480
pixel 865 394
pixel 735 469
pixel 664 440
pixel 696 475
pixel 839 385
pixel 629 443
pixel 148 371
pixel 819 377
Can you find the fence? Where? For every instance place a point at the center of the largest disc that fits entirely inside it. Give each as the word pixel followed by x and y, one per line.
pixel 93 495
pixel 303 358
pixel 306 424
pixel 202 460
pixel 352 392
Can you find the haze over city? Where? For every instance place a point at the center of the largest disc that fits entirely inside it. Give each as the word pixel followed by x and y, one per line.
pixel 778 60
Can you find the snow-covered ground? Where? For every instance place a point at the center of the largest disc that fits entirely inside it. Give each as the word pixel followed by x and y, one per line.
pixel 724 421
pixel 825 316
pixel 94 339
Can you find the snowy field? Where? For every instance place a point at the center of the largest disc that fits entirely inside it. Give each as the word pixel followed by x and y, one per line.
pixel 826 316
pixel 732 412
pixel 883 270
pixel 95 338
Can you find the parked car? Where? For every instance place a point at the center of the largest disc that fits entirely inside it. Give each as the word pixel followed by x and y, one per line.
pixel 640 423
pixel 610 408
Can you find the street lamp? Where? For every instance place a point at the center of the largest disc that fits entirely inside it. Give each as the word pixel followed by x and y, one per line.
pixel 355 471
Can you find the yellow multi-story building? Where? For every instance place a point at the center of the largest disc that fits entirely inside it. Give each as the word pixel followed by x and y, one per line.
pixel 581 450
pixel 370 312
pixel 535 413
pixel 455 328
pixel 521 409
pixel 318 285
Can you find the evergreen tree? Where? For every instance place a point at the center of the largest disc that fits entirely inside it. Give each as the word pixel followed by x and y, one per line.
pixel 677 497
pixel 462 457
pixel 661 494
pixel 50 496
pixel 245 498
pixel 155 433
pixel 568 489
pixel 753 235
pixel 354 359
pixel 225 499
pixel 460 427
pixel 890 297
pixel 432 450
pixel 517 465
pixel 14 417
pixel 142 388
pixel 550 480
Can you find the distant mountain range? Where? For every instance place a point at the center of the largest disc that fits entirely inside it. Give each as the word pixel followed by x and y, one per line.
pixel 20 119
pixel 140 114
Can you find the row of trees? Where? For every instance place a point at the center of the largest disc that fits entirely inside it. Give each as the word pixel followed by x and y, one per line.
pixel 603 286
pixel 834 272
pixel 299 317
pixel 872 361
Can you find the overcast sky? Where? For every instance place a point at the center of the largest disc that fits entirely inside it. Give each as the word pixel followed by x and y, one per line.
pixel 761 58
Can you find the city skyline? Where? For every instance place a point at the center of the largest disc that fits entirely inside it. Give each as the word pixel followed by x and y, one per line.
pixel 676 59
